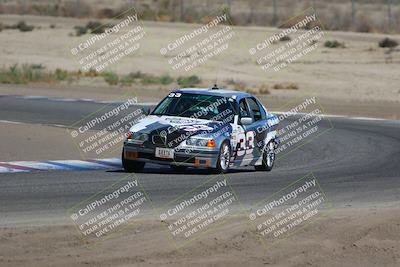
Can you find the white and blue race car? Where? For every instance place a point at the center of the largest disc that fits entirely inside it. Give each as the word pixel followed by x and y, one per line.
pixel 207 128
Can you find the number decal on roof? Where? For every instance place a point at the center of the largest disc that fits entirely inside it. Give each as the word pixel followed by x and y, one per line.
pixel 174 95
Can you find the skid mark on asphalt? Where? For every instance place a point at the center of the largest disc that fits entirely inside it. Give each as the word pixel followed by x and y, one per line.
pixel 60 165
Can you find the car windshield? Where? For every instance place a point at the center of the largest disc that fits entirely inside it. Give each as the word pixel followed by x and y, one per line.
pixel 197 106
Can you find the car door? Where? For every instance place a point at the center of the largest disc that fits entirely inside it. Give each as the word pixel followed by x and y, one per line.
pixel 255 137
pixel 246 135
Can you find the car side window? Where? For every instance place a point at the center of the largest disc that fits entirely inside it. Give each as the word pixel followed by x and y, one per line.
pixel 255 108
pixel 243 110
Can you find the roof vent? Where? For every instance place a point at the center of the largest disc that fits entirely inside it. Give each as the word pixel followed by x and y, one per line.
pixel 215 87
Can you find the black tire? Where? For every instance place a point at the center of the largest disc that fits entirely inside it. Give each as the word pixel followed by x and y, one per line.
pixel 268 158
pixel 131 165
pixel 223 165
pixel 178 168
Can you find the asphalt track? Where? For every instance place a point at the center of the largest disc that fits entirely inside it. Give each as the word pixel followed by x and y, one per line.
pixel 357 163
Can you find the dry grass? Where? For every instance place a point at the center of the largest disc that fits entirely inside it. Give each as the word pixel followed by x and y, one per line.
pixel 285 86
pixel 262 89
pixel 369 16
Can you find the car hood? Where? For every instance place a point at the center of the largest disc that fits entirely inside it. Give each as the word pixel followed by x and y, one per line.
pixel 159 123
pixel 177 129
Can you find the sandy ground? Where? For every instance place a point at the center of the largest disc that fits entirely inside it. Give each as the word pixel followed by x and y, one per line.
pixel 361 71
pixel 350 237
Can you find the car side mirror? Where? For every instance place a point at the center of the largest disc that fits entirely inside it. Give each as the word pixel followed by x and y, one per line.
pixel 246 120
pixel 146 110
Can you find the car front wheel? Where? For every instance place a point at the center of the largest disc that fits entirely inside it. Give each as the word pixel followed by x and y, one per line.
pixel 223 158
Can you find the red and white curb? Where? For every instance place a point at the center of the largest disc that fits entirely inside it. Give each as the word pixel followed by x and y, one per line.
pixel 71 165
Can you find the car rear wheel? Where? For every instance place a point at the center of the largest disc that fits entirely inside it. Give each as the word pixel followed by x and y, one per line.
pixel 268 158
pixel 131 165
pixel 223 158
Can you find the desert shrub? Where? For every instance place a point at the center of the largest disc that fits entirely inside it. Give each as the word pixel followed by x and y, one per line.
pixel 263 89
pixel 387 42
pixel 239 86
pixel 111 78
pixel 146 78
pixel 278 86
pixel 80 30
pixel 287 86
pixel 285 38
pixel 96 27
pixel 148 14
pixel 292 86
pixel 126 80
pixel 150 79
pixel 28 73
pixel 52 26
pixel 91 73
pixel 23 27
pixel 164 18
pixel 93 25
pixel 136 75
pixel 166 79
pixel 61 75
pixel 334 44
pixel 313 42
pixel 37 66
pixel 251 90
pixel 11 75
pixel 188 81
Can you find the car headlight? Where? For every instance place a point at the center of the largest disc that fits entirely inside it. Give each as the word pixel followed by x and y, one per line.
pixel 201 142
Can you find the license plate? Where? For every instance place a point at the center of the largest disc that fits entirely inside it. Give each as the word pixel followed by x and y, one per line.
pixel 165 153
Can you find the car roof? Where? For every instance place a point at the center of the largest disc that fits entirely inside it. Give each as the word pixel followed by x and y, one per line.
pixel 215 92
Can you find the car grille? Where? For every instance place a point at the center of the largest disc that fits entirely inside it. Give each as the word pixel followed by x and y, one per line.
pixel 169 141
pixel 151 156
pixel 159 140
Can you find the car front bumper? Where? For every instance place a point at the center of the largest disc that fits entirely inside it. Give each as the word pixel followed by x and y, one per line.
pixel 189 157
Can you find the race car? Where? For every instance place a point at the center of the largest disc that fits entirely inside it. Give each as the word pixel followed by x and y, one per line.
pixel 204 128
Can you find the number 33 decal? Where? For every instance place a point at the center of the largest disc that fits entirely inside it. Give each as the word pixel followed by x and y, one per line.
pixel 245 143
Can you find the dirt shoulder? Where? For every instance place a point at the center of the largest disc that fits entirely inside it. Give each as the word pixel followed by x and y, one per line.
pixel 361 71
pixel 351 237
